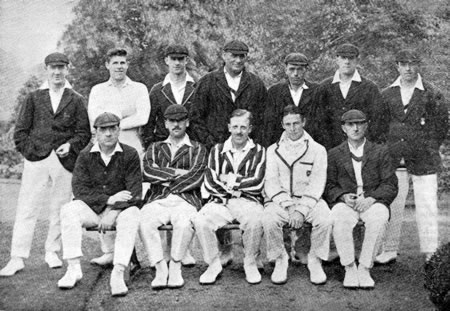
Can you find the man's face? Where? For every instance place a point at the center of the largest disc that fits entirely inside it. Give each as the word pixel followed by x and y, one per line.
pixel 347 64
pixel 239 128
pixel 408 71
pixel 234 63
pixel 176 64
pixel 117 66
pixel 293 125
pixel 177 128
pixel 56 74
pixel 355 131
pixel 296 74
pixel 107 136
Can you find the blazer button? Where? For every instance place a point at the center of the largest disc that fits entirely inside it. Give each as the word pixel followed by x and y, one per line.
pixel 402 139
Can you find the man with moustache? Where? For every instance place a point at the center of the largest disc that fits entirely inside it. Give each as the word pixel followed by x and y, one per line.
pixel 51 129
pixel 361 184
pixel 129 101
pixel 295 91
pixel 347 90
pixel 295 180
pixel 418 122
pixel 234 178
pixel 174 167
pixel 107 188
pixel 216 96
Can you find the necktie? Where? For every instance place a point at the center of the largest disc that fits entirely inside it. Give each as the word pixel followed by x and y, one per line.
pixel 357 159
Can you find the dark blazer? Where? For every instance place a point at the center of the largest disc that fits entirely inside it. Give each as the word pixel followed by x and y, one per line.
pixel 39 130
pixel 278 97
pixel 159 170
pixel 378 174
pixel 212 106
pixel 93 182
pixel 161 97
pixel 364 96
pixel 417 134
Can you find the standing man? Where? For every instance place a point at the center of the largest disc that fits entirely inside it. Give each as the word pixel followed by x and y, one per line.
pixel 361 184
pixel 216 96
pixel 295 91
pixel 235 179
pixel 129 101
pixel 295 180
pixel 123 97
pixel 107 186
pixel 175 169
pixel 418 126
pixel 177 88
pixel 348 90
pixel 51 129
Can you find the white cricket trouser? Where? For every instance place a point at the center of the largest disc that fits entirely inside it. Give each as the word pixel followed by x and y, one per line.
pixel 275 217
pixel 215 215
pixel 77 214
pixel 425 199
pixel 41 180
pixel 345 219
pixel 175 210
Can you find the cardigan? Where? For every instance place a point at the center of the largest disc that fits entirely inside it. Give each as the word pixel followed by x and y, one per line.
pixel 93 182
pixel 39 130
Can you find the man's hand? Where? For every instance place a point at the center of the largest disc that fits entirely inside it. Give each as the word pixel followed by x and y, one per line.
pixel 363 204
pixel 181 172
pixel 350 199
pixel 107 221
pixel 122 196
pixel 63 150
pixel 296 219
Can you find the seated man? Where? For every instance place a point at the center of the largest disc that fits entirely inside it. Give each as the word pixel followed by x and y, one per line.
pixel 361 184
pixel 107 185
pixel 175 169
pixel 295 180
pixel 234 178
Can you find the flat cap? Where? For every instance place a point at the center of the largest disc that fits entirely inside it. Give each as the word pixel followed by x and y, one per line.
pixel 236 47
pixel 296 59
pixel 56 59
pixel 175 112
pixel 106 119
pixel 347 50
pixel 410 56
pixel 353 116
pixel 176 50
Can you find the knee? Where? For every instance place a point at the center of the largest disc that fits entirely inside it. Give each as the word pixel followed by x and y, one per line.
pixel 200 221
pixel 129 216
pixel 254 222
pixel 68 211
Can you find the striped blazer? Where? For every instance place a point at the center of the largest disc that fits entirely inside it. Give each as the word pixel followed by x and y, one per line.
pixel 251 173
pixel 159 170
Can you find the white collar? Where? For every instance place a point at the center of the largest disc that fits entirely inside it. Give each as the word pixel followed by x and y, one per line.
pixel 304 86
pixel 228 146
pixel 418 85
pixel 305 137
pixel 168 80
pixel 96 148
pixel 185 141
pixel 229 76
pixel 127 82
pixel 336 78
pixel 46 86
pixel 360 148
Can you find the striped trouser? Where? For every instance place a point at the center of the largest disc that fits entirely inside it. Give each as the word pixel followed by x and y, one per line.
pixel 214 216
pixel 425 199
pixel 275 217
pixel 174 210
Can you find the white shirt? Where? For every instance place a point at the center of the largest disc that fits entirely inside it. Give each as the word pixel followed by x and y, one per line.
pixel 345 86
pixel 106 157
pixel 294 149
pixel 357 166
pixel 238 156
pixel 174 147
pixel 55 97
pixel 296 95
pixel 407 92
pixel 233 82
pixel 178 91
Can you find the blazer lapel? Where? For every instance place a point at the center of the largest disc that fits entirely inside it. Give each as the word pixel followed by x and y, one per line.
pixel 165 150
pixel 65 100
pixel 47 101
pixel 167 92
pixel 366 153
pixel 188 91
pixel 222 84
pixel 244 83
pixel 337 91
pixel 286 94
pixel 413 103
pixel 354 89
pixel 179 154
pixel 348 164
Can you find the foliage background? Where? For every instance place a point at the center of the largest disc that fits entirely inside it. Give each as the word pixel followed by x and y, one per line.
pixel 271 29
